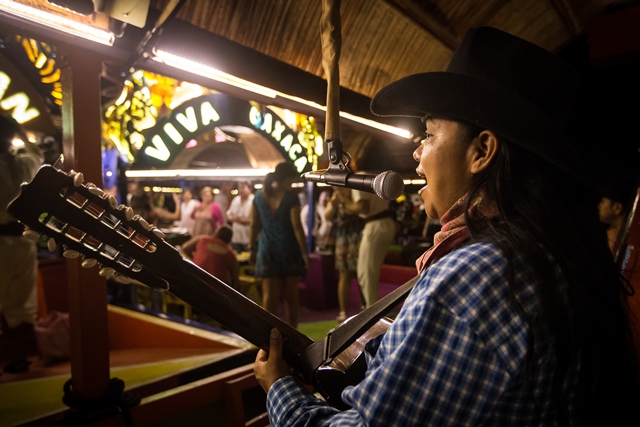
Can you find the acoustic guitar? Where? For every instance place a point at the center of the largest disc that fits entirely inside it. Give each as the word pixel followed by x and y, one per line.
pixel 90 224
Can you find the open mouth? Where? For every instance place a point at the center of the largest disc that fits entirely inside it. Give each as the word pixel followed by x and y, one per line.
pixel 422 175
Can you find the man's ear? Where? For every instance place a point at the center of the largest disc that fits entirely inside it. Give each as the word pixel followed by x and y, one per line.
pixel 617 208
pixel 482 151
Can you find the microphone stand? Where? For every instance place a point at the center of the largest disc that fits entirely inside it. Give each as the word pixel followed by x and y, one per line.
pixel 386 184
pixel 331 36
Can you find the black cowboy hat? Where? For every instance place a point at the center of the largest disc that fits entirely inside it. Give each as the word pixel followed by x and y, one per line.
pixel 502 83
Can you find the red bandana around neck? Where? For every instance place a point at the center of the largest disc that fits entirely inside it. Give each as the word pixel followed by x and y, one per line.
pixel 454 230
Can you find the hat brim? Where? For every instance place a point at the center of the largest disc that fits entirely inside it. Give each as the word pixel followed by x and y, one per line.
pixel 486 104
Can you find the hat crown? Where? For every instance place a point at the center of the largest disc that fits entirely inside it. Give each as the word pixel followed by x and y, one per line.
pixel 541 77
pixel 500 82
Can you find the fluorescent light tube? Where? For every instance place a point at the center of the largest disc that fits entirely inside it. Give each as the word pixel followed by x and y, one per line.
pixel 193 67
pixel 197 173
pixel 57 22
pixel 210 73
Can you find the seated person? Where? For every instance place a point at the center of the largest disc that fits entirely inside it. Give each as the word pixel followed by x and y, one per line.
pixel 214 255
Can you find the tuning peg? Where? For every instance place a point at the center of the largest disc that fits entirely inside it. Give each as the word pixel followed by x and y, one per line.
pixel 89 262
pixel 107 272
pixel 78 179
pixel 121 278
pixel 51 244
pixel 144 223
pixel 95 190
pixel 71 254
pixel 158 232
pixel 31 234
pixel 128 213
pixel 112 201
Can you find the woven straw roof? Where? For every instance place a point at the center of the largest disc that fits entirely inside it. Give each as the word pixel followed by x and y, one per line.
pixel 384 40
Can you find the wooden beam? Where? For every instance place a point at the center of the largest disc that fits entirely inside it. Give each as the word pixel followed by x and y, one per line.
pixel 432 21
pixel 567 15
pixel 82 134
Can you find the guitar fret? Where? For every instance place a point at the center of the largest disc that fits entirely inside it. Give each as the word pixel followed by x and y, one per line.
pixel 140 239
pixel 75 198
pixel 125 230
pixel 136 267
pixel 109 251
pixel 92 243
pixel 53 222
pixel 75 234
pixel 125 260
pixel 94 210
pixel 110 221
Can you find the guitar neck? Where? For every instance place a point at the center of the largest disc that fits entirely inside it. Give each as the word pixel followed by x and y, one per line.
pixel 127 249
pixel 236 312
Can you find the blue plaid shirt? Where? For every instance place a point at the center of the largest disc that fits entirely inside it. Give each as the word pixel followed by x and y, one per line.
pixel 454 356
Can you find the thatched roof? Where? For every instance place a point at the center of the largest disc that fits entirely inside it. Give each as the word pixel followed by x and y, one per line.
pixel 384 40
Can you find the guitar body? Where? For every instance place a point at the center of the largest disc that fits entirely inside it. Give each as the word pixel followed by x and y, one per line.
pixel 349 367
pixel 127 249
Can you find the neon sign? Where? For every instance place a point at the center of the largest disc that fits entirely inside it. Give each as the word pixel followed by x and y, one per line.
pixel 196 116
pixel 277 130
pixel 43 59
pixel 189 123
pixel 18 102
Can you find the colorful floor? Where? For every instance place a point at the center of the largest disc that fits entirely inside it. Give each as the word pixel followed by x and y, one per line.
pixel 38 392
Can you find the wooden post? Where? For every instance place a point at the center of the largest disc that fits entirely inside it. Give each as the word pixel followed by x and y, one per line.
pixel 82 133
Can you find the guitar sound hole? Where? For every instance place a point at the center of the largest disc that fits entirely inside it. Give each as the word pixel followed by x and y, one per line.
pixel 77 199
pixel 92 243
pixel 94 210
pixel 109 252
pixel 53 223
pixel 110 220
pixel 75 234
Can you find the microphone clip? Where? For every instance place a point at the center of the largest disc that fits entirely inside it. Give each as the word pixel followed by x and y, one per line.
pixel 338 170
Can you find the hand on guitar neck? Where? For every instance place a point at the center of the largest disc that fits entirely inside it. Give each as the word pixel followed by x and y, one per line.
pixel 270 366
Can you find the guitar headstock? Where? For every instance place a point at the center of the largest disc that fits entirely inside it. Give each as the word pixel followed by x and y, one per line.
pixel 89 222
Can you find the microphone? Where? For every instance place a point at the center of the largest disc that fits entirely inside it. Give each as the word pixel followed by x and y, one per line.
pixel 387 185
